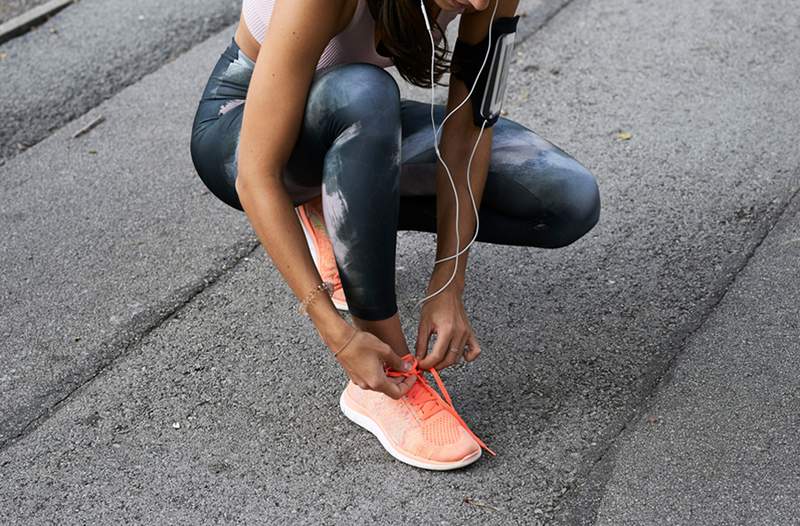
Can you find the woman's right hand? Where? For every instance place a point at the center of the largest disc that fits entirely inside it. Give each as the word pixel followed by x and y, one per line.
pixel 363 360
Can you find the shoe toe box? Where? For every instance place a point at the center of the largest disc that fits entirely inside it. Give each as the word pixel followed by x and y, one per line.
pixel 442 439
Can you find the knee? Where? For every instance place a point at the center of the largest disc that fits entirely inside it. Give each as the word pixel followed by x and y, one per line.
pixel 579 209
pixel 357 93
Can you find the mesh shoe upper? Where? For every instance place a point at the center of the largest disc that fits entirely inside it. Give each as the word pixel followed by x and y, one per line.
pixel 420 423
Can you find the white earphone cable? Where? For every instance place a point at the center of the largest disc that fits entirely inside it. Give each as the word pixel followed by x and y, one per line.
pixel 436 132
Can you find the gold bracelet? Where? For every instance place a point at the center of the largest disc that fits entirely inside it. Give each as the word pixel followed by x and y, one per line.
pixel 346 343
pixel 303 307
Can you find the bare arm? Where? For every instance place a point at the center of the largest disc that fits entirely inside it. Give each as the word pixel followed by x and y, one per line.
pixel 444 314
pixel 458 138
pixel 298 32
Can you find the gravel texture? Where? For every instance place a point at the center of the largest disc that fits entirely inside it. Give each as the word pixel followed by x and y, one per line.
pixel 574 339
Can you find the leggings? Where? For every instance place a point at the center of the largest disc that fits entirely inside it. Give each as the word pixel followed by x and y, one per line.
pixel 370 155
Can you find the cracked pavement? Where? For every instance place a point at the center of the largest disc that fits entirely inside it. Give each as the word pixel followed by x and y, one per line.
pixel 154 370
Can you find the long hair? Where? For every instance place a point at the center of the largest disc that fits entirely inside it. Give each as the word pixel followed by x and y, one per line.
pixel 403 37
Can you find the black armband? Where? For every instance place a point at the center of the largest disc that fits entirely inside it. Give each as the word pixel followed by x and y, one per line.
pixel 487 98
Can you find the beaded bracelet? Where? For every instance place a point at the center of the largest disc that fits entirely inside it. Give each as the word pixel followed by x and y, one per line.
pixel 325 285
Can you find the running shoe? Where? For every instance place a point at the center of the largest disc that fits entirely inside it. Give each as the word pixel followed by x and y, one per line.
pixel 313 222
pixel 420 428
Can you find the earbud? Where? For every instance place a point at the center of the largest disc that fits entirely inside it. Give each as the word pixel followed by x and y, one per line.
pixel 439 155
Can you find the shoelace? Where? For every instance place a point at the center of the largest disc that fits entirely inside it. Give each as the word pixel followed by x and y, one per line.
pixel 428 402
pixel 448 405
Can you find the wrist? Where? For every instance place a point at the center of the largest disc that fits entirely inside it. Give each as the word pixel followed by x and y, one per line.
pixel 443 270
pixel 329 323
pixel 441 274
pixel 335 332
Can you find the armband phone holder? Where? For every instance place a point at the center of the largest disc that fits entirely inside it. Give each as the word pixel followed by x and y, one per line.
pixel 487 98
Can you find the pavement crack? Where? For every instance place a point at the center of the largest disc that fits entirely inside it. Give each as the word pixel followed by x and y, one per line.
pixel 585 502
pixel 123 340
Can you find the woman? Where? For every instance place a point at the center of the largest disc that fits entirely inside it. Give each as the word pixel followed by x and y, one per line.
pixel 329 163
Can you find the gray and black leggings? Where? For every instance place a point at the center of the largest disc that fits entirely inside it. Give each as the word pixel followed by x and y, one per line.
pixel 371 156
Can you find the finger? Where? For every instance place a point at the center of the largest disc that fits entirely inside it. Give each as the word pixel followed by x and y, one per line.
pixel 446 362
pixel 390 389
pixel 396 390
pixel 450 355
pixel 454 353
pixel 423 337
pixel 394 360
pixel 359 382
pixel 439 349
pixel 406 384
pixel 474 349
pixel 462 347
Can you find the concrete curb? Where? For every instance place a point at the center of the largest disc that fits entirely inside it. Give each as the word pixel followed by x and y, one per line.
pixel 24 22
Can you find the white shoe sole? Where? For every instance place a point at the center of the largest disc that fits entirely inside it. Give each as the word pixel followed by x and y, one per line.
pixel 373 427
pixel 310 242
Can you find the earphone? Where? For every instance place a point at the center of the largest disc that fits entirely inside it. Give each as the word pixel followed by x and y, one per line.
pixel 436 132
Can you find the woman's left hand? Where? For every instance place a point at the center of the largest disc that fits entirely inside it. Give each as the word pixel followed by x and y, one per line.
pixel 444 316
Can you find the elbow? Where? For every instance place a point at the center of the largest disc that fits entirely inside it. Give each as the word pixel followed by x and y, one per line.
pixel 249 182
pixel 248 174
pixel 240 185
pixel 256 169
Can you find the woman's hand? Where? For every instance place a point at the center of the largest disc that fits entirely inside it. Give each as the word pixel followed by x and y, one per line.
pixel 363 360
pixel 444 315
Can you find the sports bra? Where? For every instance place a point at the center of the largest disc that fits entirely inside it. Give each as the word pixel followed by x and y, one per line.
pixel 355 43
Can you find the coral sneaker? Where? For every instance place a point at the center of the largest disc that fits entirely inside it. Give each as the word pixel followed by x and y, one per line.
pixel 313 222
pixel 420 428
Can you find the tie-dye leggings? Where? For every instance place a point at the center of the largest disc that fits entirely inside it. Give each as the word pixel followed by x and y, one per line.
pixel 370 154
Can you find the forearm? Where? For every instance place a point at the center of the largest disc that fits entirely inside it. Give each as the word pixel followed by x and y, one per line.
pixel 271 213
pixel 458 138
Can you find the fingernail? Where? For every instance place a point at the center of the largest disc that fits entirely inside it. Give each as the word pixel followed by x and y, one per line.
pixel 406 366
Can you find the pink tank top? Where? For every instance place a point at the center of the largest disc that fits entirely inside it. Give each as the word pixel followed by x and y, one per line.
pixel 355 43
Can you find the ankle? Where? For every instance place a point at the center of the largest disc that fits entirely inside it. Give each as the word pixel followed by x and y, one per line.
pixel 389 331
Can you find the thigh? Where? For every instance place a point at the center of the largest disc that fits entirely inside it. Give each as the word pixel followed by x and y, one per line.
pixel 529 176
pixel 343 102
pixel 217 121
pixel 217 127
pixel 214 152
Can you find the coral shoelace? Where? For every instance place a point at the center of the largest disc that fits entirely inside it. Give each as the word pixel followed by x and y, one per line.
pixel 448 405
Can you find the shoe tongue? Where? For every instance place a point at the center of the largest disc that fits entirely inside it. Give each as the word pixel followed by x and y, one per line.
pixel 428 402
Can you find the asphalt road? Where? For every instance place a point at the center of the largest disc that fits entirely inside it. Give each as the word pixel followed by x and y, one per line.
pixel 225 410
pixel 88 52
pixel 76 258
pixel 718 443
pixel 94 48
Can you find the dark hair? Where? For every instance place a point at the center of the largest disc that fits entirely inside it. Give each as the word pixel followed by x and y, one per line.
pixel 404 38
